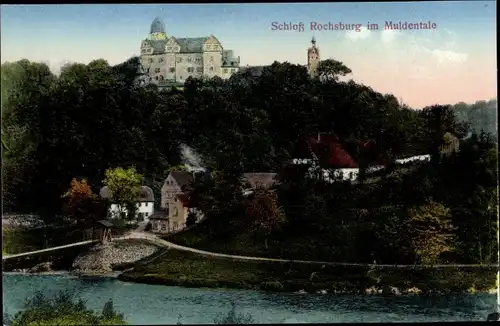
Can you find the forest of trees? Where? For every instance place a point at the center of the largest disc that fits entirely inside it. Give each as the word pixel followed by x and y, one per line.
pixel 95 117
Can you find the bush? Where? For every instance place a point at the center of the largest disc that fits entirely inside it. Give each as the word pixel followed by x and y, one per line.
pixel 62 310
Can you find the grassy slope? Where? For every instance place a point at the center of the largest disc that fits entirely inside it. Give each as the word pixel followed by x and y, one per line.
pixel 187 269
pixel 192 270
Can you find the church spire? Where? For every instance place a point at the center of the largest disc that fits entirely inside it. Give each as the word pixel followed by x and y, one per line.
pixel 313 41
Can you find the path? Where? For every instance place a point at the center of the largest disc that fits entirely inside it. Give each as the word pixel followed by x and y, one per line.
pixel 154 238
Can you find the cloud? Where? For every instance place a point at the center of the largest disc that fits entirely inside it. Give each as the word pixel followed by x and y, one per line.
pixel 449 56
pixel 389 35
pixel 355 36
pixel 443 54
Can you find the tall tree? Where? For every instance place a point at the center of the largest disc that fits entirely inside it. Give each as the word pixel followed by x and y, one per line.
pixel 267 216
pixel 82 205
pixel 433 233
pixel 331 69
pixel 125 187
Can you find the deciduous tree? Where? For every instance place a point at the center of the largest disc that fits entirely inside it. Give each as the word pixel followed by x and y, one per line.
pixel 433 232
pixel 82 205
pixel 265 213
pixel 124 186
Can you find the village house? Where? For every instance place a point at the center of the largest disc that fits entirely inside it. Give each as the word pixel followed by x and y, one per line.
pixel 144 204
pixel 175 219
pixel 174 185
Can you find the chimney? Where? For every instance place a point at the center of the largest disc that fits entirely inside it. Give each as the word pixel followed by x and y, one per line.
pixel 319 136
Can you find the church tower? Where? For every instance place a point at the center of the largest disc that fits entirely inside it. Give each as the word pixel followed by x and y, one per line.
pixel 313 58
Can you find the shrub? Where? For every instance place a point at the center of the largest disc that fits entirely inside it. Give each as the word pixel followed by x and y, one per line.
pixel 62 310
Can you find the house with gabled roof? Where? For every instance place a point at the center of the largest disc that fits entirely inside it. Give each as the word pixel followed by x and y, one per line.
pixel 144 204
pixel 174 184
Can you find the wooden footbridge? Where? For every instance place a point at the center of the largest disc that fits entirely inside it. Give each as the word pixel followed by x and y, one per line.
pixel 76 244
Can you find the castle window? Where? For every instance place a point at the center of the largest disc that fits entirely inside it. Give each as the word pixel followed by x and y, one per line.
pixel 190 70
pixel 179 59
pixel 156 77
pixel 225 70
pixel 172 70
pixel 157 70
pixel 189 59
pixel 161 77
pixel 199 69
pixel 211 59
pixel 169 48
pixel 161 60
pixel 180 77
pixel 151 60
pixel 198 60
pixel 211 69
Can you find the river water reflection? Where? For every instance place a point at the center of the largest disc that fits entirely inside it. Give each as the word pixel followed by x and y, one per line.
pixel 154 304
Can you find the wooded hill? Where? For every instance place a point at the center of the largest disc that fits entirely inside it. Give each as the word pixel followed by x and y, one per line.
pixel 94 117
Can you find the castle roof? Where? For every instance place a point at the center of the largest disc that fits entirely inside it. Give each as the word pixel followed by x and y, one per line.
pixel 187 44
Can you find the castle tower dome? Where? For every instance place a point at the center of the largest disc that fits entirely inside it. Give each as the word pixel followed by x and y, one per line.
pixel 157 26
pixel 157 30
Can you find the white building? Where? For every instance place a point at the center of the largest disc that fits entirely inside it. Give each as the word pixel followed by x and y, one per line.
pixel 145 204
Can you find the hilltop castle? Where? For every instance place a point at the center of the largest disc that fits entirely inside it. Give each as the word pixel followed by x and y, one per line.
pixel 170 60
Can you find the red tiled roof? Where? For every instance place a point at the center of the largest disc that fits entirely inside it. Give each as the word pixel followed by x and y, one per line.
pixel 329 148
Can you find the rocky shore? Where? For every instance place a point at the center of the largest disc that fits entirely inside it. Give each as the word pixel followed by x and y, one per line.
pixel 103 258
pixel 100 260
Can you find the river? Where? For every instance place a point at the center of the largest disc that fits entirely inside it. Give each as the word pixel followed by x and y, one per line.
pixel 155 304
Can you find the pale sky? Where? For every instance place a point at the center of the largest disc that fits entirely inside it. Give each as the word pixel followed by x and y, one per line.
pixel 455 62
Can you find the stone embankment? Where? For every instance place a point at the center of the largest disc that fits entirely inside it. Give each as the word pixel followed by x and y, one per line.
pixel 101 258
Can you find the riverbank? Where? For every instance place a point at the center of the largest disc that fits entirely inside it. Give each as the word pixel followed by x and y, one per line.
pixel 178 268
pixel 112 256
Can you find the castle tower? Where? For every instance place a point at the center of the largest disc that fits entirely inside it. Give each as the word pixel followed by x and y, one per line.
pixel 313 58
pixel 157 30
